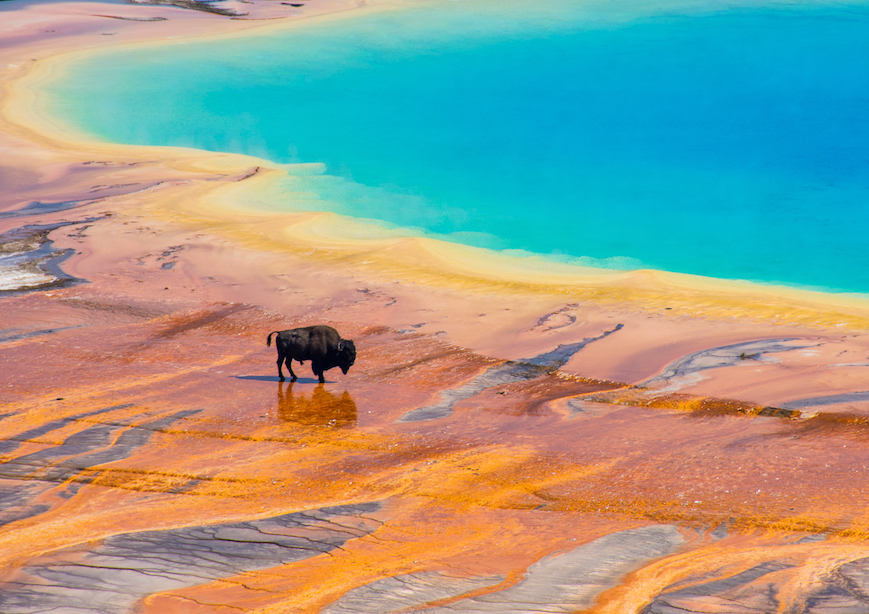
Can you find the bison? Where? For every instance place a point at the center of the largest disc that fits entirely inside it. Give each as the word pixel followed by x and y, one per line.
pixel 322 345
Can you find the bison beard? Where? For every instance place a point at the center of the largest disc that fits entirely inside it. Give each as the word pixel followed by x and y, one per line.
pixel 320 344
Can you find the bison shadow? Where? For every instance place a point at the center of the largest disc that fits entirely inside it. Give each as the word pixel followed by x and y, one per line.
pixel 274 378
pixel 319 408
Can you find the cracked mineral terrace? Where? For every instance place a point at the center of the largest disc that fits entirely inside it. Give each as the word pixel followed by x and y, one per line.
pixel 25 478
pixel 831 399
pixel 561 583
pixel 506 373
pixel 845 589
pixel 724 356
pixel 28 260
pixel 113 576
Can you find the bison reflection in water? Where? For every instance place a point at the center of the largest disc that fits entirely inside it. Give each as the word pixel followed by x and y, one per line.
pixel 321 408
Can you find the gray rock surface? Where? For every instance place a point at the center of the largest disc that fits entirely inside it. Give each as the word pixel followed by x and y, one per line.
pixel 507 373
pixel 407 591
pixel 24 478
pixel 572 581
pixel 560 583
pixel 111 577
pixel 725 356
pixel 832 399
pixel 740 591
pixel 754 591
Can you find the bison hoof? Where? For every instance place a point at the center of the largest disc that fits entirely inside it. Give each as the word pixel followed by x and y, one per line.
pixel 294 378
pixel 281 378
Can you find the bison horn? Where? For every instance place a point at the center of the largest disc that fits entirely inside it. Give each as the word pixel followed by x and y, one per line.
pixel 340 345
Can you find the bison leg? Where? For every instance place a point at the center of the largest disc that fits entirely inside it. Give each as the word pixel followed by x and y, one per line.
pixel 290 367
pixel 317 368
pixel 280 373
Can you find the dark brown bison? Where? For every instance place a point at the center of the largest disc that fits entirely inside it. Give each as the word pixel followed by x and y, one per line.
pixel 322 345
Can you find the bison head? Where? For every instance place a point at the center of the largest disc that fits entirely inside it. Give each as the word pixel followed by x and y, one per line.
pixel 346 354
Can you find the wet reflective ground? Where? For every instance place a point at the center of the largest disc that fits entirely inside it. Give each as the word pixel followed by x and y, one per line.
pixel 151 459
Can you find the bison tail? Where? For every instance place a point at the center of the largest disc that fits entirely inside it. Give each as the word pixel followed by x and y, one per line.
pixel 269 338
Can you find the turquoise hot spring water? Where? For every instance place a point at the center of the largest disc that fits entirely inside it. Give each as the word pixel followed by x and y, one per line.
pixel 721 139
